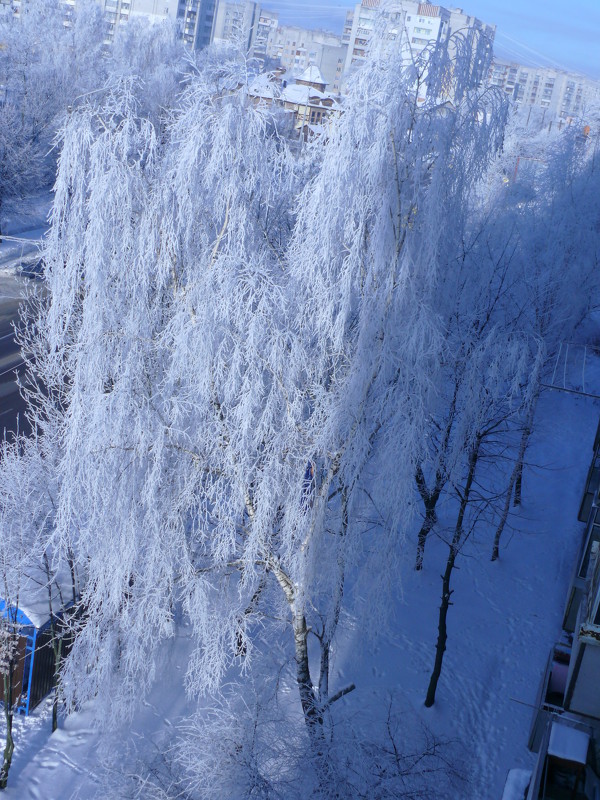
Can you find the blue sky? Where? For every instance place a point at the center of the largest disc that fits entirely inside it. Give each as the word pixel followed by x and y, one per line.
pixel 562 33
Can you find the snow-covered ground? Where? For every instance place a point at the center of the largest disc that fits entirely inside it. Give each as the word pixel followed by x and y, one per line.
pixel 505 617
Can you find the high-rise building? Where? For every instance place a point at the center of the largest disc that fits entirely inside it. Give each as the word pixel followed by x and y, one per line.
pixel 236 22
pixel 118 12
pixel 268 22
pixel 246 23
pixel 409 25
pixel 197 18
pixel 347 32
pixel 561 94
pixel 298 48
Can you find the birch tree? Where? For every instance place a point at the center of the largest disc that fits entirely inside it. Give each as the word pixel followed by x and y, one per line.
pixel 489 405
pixel 230 351
pixel 554 283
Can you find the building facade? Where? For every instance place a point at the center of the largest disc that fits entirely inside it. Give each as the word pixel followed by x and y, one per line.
pixel 411 26
pixel 118 12
pixel 268 22
pixel 196 18
pixel 565 728
pixel 247 24
pixel 236 22
pixel 298 48
pixel 561 94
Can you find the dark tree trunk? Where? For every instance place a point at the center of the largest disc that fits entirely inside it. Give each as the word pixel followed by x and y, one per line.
pixel 427 526
pixel 514 484
pixel 311 708
pixel 429 501
pixel 440 647
pixel 525 436
pixel 430 498
pixel 518 485
pixel 71 563
pixel 8 717
pixel 457 540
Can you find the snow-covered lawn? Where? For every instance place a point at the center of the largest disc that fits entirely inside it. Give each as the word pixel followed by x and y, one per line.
pixel 506 616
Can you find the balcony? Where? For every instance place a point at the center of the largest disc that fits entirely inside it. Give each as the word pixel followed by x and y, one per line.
pixel 551 693
pixel 565 768
pixel 591 486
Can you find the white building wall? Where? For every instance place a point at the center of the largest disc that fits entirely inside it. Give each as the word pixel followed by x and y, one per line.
pixel 296 48
pixel 236 22
pixel 118 12
pixel 561 94
pixel 331 63
pixel 422 28
pixel 586 697
pixel 409 24
pixel 268 22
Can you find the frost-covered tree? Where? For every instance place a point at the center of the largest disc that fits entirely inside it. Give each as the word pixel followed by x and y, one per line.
pixel 240 350
pixel 154 54
pixel 163 393
pixel 52 57
pixel 548 220
pixel 488 405
pixel 22 512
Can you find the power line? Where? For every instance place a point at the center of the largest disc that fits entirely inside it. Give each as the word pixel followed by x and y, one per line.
pixel 534 56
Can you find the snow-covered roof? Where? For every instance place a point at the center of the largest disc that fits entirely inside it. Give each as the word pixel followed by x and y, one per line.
pixel 33 601
pixel 295 93
pixel 263 86
pixel 303 95
pixel 312 74
pixel 568 743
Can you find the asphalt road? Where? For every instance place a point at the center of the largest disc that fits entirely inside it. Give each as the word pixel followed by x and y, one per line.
pixel 12 406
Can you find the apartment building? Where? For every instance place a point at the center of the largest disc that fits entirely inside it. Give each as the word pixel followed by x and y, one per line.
pixel 348 23
pixel 562 94
pixel 298 48
pixel 118 12
pixel 236 22
pixel 565 729
pixel 410 25
pixel 196 18
pixel 268 22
